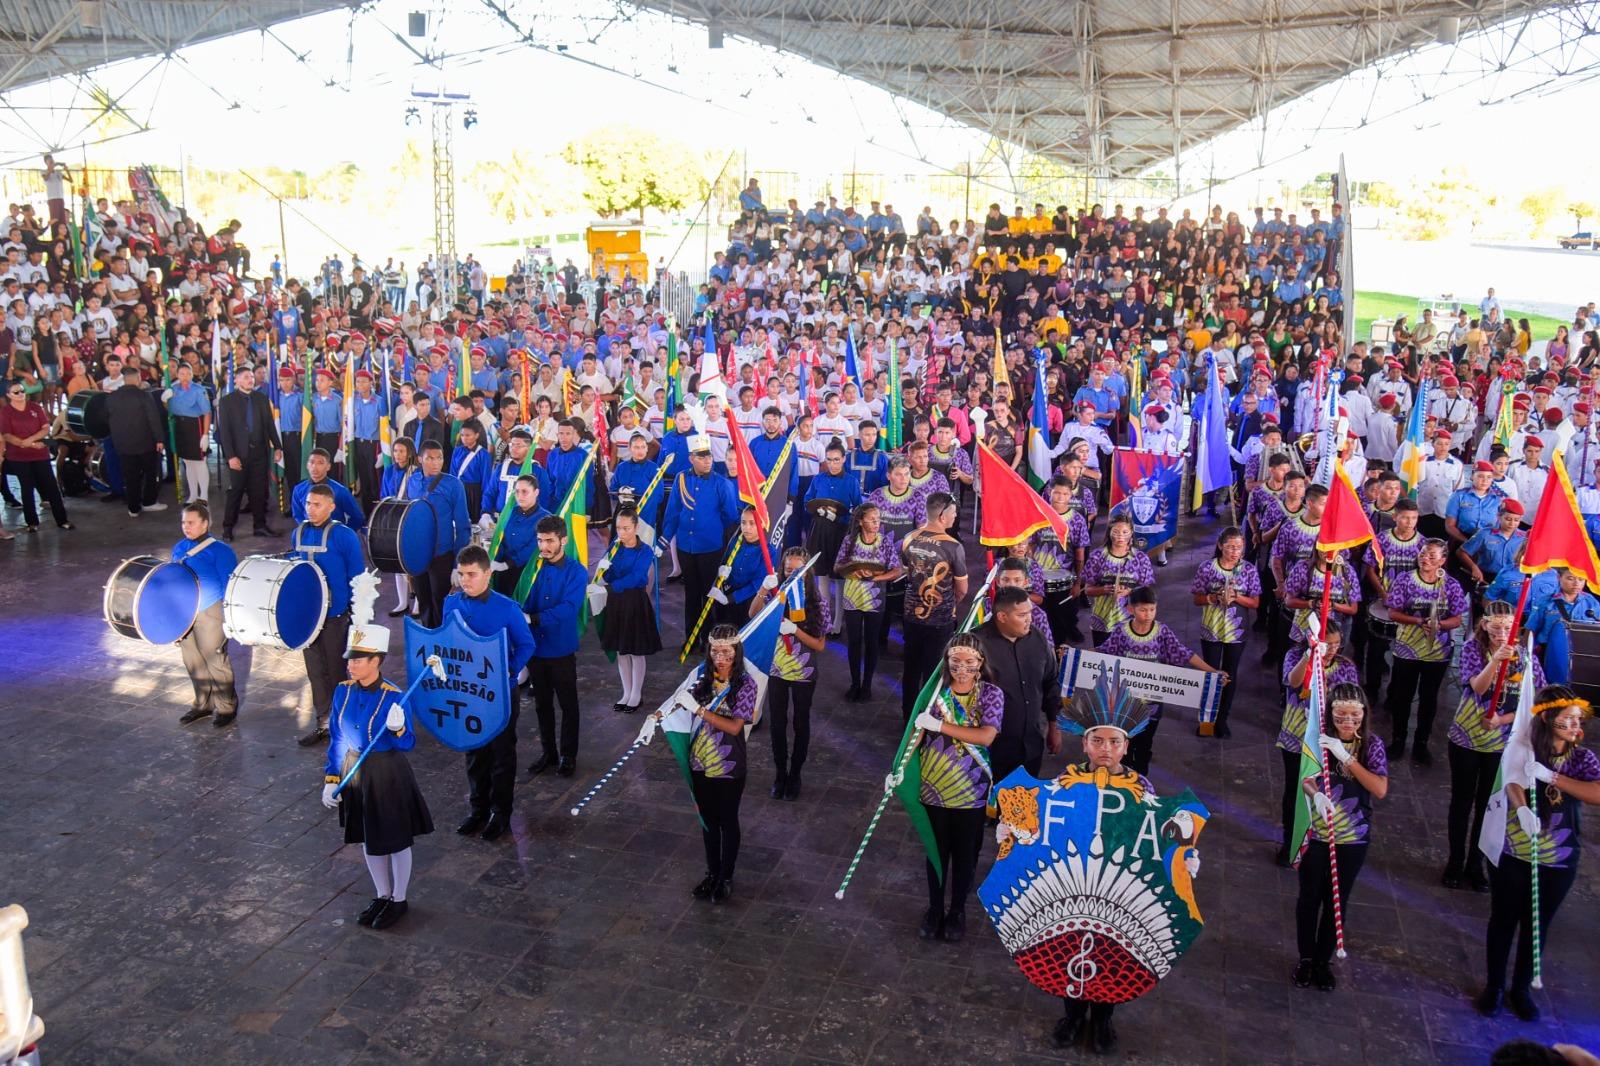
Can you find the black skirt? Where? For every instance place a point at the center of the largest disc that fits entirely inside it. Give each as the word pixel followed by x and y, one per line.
pixel 187 432
pixel 383 808
pixel 825 538
pixel 628 624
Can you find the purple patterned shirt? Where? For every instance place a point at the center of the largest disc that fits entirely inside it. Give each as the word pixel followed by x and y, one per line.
pixel 859 594
pixel 1100 568
pixel 1059 563
pixel 1160 645
pixel 1409 594
pixel 1559 837
pixel 1224 624
pixel 715 753
pixel 954 774
pixel 1469 729
pixel 1295 542
pixel 1303 583
pixel 899 515
pixel 1293 727
pixel 1352 803
pixel 1399 556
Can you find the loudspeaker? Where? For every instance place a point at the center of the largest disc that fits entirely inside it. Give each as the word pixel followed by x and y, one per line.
pixel 417 24
pixel 714 36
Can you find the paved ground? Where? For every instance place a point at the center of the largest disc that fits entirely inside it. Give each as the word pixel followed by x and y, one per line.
pixel 190 901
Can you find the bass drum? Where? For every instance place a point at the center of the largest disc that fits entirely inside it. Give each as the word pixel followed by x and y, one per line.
pixel 400 536
pixel 88 414
pixel 275 602
pixel 152 600
pixel 1379 624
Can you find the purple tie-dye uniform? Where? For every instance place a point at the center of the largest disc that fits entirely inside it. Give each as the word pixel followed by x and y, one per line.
pixel 859 594
pixel 1293 727
pixel 1352 803
pixel 1409 594
pixel 1399 556
pixel 1304 583
pixel 1295 542
pixel 1224 624
pixel 1100 568
pixel 951 775
pixel 1559 838
pixel 1057 562
pixel 1470 729
pixel 715 753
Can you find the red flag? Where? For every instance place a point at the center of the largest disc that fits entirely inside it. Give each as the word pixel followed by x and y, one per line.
pixel 1012 511
pixel 1558 537
pixel 602 432
pixel 1344 525
pixel 750 485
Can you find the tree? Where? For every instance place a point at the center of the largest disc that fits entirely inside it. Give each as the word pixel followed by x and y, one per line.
pixel 626 168
pixel 1581 210
pixel 1540 207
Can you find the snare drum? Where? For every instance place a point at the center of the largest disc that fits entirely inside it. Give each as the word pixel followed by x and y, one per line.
pixel 1379 623
pixel 88 413
pixel 275 602
pixel 152 600
pixel 400 536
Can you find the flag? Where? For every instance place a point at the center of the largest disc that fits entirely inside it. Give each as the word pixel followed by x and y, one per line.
pixel 1148 488
pixel 894 432
pixel 308 422
pixel 1558 537
pixel 1039 463
pixel 775 491
pixel 1513 771
pixel 1329 433
pixel 1347 256
pixel 909 789
pixel 1310 753
pixel 574 512
pixel 1212 469
pixel 711 383
pixel 385 432
pixel 997 370
pixel 852 370
pixel 1011 512
pixel 1135 385
pixel 1344 524
pixel 752 489
pixel 672 369
pixel 216 358
pixel 1408 460
pixel 274 398
pixel 349 420
pixel 602 432
pixel 1505 421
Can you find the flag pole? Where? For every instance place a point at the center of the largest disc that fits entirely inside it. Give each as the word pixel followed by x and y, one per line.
pixel 645 736
pixel 705 609
pixel 1501 673
pixel 1327 785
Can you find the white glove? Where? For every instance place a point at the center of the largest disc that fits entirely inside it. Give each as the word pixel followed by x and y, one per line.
pixel 485 523
pixel 647 728
pixel 1323 806
pixel 769 582
pixel 787 627
pixel 1335 747
pixel 1002 833
pixel 396 721
pixel 929 723
pixel 522 676
pixel 723 572
pixel 659 548
pixel 892 782
pixel 328 799
pixel 1538 771
pixel 720 596
pixel 1528 821
pixel 605 564
pixel 598 595
pixel 498 566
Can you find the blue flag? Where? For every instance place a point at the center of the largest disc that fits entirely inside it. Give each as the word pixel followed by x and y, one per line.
pixel 1212 469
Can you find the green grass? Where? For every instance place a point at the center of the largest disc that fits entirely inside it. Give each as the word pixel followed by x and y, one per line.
pixel 1374 305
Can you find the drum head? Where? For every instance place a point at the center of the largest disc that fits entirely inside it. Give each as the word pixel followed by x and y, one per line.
pixel 416 537
pixel 301 606
pixel 167 603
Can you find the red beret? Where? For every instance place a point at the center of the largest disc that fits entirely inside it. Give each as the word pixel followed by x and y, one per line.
pixel 1354 379
pixel 324 372
pixel 363 374
pixel 439 349
pixel 1580 408
pixel 1388 400
pixel 1443 434
pixel 1483 467
pixel 286 371
pixel 1551 375
pixel 1510 506
pixel 1541 390
pixel 1553 415
pixel 1450 382
pixel 1533 442
pixel 478 349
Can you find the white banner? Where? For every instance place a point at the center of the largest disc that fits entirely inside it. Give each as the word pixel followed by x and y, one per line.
pixel 1176 686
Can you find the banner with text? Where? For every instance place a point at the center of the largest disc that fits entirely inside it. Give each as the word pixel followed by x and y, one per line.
pixel 1176 686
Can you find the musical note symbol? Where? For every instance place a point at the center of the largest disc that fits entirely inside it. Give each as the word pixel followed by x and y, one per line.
pixel 1080 968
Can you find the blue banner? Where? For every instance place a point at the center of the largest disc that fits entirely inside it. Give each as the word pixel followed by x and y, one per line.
pixel 472 705
pixel 1147 488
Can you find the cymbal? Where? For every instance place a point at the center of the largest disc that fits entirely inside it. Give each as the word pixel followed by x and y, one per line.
pixel 861 568
pixel 821 504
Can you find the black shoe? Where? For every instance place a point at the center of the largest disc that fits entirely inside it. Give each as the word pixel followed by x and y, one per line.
pixel 497 827
pixel 374 909
pixel 780 785
pixel 390 914
pixel 472 823
pixel 1222 732
pixel 1322 975
pixel 955 927
pixel 541 764
pixel 319 735
pixel 1396 748
pixel 227 533
pixel 400 611
pixel 1477 877
pixel 1488 1002
pixel 932 924
pixel 865 695
pixel 566 767
pixel 1282 858
pixel 268 531
pixel 223 720
pixel 194 714
pixel 852 694
pixel 1420 756
pixel 793 791
pixel 1102 1036
pixel 633 709
pixel 703 889
pixel 619 708
pixel 1451 878
pixel 1523 1006
pixel 1302 974
pixel 1069 1030
pixel 721 891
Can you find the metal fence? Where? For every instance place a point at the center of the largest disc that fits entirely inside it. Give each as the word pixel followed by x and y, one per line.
pixel 26 185
pixel 678 291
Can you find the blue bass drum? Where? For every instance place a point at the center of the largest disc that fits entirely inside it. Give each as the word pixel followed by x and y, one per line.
pixel 400 536
pixel 152 600
pixel 275 602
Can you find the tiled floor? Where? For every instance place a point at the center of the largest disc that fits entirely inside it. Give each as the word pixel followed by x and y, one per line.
pixel 190 900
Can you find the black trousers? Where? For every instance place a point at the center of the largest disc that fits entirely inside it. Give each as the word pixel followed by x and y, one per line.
pixel 1278 627
pixel 894 607
pixel 325 663
pixel 862 630
pixel 780 694
pixel 924 649
pixel 505 581
pixel 251 478
pixel 205 658
pixel 141 478
pixel 1097 1012
pixel 1142 746
pixel 431 587
pixel 35 475
pixel 552 680
pixel 699 574
pixel 958 831
pixel 718 800
pixel 1511 915
pixel 291 467
pixel 1414 678
pixel 1269 600
pixel 1472 775
pixel 1373 666
pixel 492 769
pixel 1313 909
pixel 367 474
pixel 1292 796
pixel 1227 657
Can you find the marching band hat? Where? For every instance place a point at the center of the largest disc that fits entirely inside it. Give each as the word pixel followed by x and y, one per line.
pixel 366 640
pixel 699 444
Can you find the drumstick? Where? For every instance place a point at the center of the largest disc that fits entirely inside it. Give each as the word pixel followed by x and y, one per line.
pixel 436 668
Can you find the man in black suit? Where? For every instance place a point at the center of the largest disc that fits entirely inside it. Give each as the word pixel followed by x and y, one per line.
pixel 138 436
pixel 249 440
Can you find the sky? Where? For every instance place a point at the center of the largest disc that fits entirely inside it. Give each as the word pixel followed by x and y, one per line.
pixel 328 89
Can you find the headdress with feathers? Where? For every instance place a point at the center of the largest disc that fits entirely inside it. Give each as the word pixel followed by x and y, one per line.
pixel 1107 704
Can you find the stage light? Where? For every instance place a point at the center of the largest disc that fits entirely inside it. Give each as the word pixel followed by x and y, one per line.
pixel 417 24
pixel 470 119
pixel 413 116
pixel 89 12
pixel 714 36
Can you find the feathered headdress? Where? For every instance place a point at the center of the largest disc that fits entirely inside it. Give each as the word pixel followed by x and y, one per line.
pixel 1107 704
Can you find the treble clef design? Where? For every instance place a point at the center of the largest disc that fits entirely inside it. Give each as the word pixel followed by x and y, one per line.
pixel 928 595
pixel 1080 968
